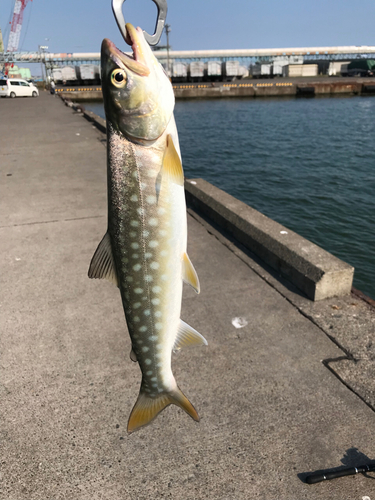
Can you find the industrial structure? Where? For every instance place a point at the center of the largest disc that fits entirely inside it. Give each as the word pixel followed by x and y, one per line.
pixel 14 34
pixel 194 63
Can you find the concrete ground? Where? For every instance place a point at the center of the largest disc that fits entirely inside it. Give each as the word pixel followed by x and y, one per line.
pixel 273 404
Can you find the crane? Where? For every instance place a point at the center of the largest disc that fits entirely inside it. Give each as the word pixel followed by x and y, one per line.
pixel 16 26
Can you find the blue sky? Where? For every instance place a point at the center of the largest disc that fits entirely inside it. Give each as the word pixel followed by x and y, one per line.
pixel 80 25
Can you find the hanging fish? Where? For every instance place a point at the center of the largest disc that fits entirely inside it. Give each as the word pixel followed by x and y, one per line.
pixel 144 249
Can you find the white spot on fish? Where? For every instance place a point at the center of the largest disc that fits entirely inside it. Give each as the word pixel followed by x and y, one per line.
pixel 136 305
pixel 132 234
pixel 156 289
pixel 147 312
pixel 153 221
pixel 136 319
pixel 148 361
pixel 159 355
pixel 158 314
pixel 154 385
pixel 129 279
pixel 154 379
pixel 162 232
pixel 143 186
pixel 142 328
pixel 164 253
pixel 134 223
pixel 145 234
pixel 164 277
pixel 125 260
pixel 134 197
pixel 151 199
pixel 135 174
pixel 159 326
pixel 161 211
pixel 153 338
pixel 148 255
pixel 159 347
pixel 160 364
pixel 155 302
pixel 140 211
pixel 135 246
pixel 149 372
pixel 145 348
pixel 148 278
pixel 135 256
pixel 154 265
pixel 137 267
pixel 138 290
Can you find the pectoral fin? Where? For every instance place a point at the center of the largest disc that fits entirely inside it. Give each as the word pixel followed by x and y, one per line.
pixel 189 274
pixel 172 166
pixel 102 264
pixel 187 336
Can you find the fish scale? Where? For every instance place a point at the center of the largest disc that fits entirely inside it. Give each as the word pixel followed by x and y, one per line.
pixel 144 249
pixel 146 293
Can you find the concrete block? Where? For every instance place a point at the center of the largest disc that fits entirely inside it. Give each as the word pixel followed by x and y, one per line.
pixel 313 270
pixel 99 122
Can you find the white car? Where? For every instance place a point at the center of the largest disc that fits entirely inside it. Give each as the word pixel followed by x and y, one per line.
pixel 17 87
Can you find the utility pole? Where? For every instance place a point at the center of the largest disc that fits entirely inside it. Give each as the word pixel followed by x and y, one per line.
pixel 167 31
pixel 42 52
pixel 1 49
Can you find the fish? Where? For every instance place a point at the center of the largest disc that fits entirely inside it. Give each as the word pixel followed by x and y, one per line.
pixel 144 249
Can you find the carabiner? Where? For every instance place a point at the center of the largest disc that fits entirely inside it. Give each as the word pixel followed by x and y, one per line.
pixel 160 21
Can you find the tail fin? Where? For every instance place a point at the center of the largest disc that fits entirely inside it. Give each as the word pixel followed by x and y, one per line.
pixel 147 408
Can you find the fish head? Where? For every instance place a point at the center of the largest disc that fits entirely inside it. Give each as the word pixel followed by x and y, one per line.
pixel 138 95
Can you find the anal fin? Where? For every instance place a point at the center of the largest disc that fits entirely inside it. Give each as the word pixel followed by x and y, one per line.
pixel 189 274
pixel 187 336
pixel 102 264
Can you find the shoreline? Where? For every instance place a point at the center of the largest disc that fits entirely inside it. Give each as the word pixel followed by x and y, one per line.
pixel 298 87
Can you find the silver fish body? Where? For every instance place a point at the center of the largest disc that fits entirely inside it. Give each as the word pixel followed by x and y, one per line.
pixel 144 249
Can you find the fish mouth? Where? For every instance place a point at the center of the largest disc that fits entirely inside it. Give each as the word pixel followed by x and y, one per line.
pixel 137 62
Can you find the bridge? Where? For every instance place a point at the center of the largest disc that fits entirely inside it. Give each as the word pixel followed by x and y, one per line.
pixel 308 53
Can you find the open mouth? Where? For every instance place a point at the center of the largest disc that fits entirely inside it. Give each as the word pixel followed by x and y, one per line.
pixel 136 62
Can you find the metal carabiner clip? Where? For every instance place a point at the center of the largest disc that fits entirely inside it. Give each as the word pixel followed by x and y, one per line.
pixel 160 21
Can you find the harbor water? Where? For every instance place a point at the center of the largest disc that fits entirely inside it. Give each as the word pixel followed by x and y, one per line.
pixel 307 163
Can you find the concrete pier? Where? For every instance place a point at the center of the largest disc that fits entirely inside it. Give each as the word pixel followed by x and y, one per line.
pixel 285 386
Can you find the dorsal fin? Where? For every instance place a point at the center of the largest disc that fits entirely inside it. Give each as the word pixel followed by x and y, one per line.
pixel 187 336
pixel 102 264
pixel 189 274
pixel 172 166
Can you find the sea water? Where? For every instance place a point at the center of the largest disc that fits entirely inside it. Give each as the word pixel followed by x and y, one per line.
pixel 308 163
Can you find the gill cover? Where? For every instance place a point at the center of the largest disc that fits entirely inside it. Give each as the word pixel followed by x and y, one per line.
pixel 138 96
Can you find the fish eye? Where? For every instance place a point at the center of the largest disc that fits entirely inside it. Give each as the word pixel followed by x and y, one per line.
pixel 118 78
